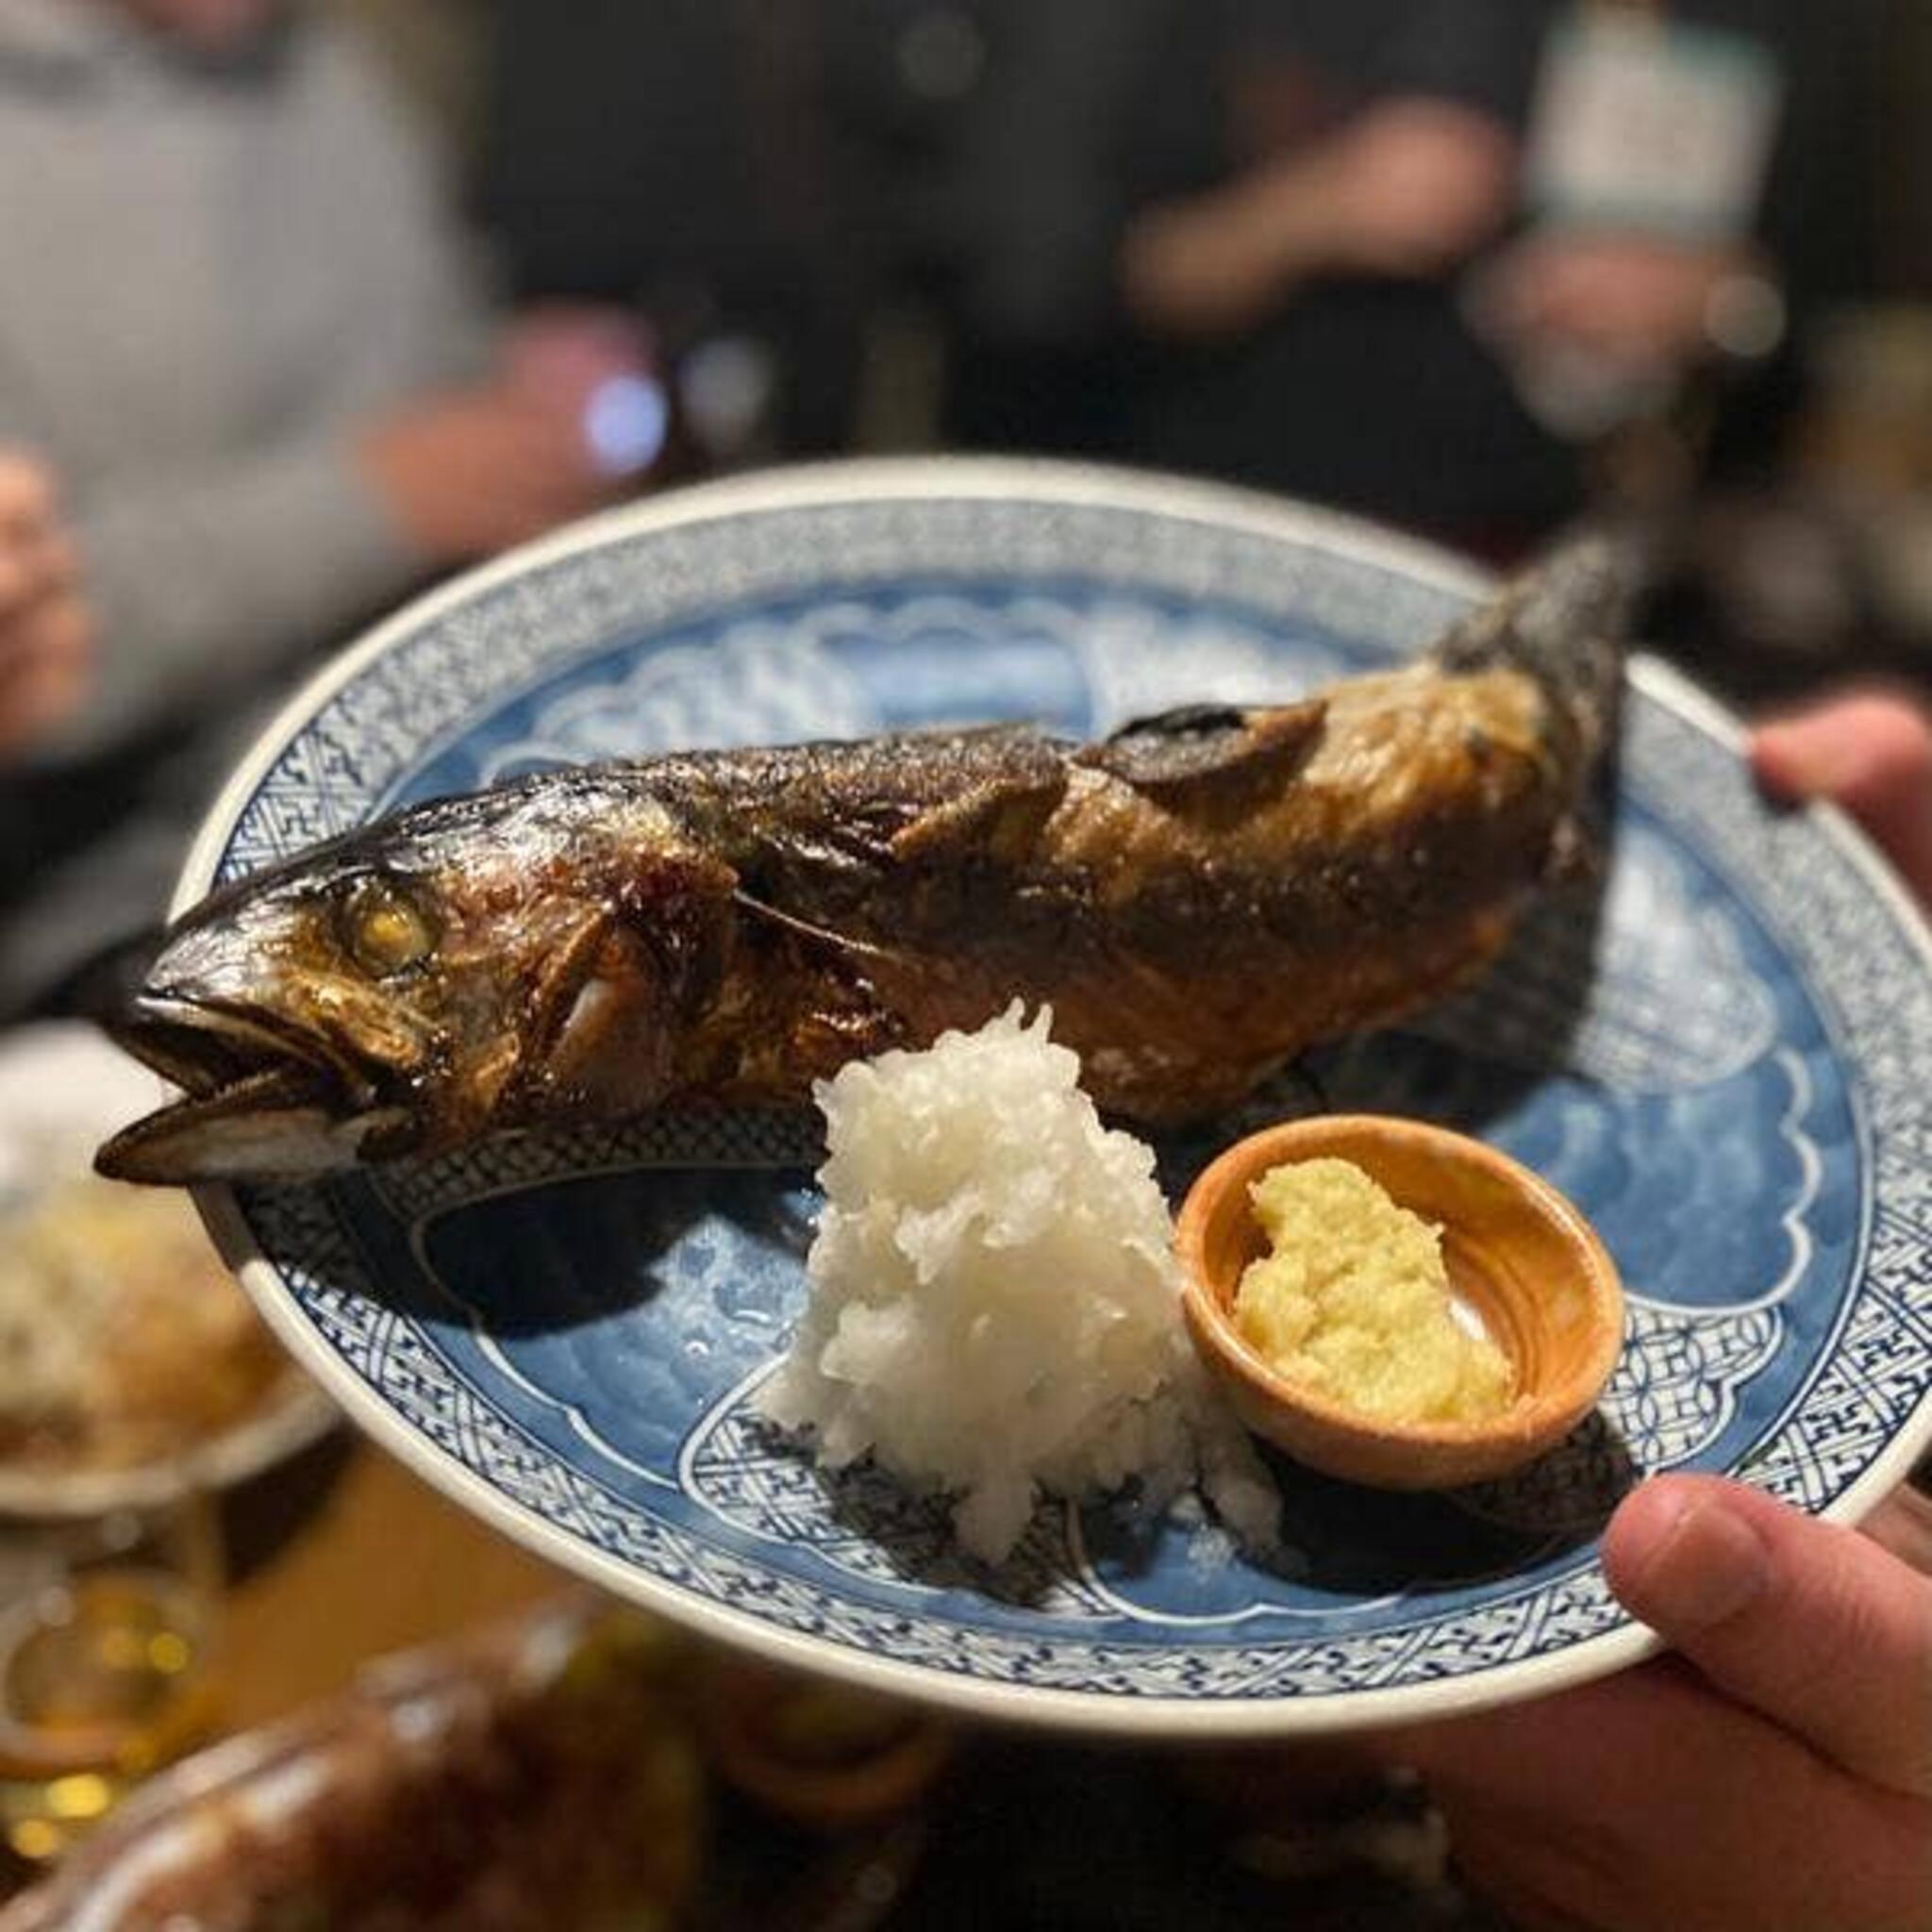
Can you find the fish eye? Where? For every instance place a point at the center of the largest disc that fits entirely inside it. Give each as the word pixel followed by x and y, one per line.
pixel 385 930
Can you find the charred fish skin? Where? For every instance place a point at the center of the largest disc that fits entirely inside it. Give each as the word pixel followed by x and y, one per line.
pixel 1199 898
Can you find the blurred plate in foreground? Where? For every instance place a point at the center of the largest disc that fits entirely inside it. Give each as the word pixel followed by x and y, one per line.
pixel 135 1368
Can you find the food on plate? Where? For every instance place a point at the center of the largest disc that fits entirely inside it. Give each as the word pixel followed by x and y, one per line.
pixel 1352 1303
pixel 995 1308
pixel 1198 897
pixel 1524 1270
pixel 528 1780
pixel 123 1341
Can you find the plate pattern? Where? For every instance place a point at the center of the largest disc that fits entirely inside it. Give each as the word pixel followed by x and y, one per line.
pixel 1727 1068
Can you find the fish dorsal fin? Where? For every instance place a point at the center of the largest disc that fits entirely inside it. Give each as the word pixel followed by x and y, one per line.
pixel 1208 751
pixel 999 817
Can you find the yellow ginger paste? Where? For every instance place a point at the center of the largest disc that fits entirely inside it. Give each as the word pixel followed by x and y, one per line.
pixel 1353 1302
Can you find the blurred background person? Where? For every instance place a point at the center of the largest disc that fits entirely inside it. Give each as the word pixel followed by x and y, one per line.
pixel 1444 255
pixel 1290 190
pixel 239 323
pixel 1357 253
pixel 1467 267
pixel 1079 227
pixel 708 166
pixel 46 631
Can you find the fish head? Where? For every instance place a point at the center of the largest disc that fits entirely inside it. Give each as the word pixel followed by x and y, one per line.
pixel 463 967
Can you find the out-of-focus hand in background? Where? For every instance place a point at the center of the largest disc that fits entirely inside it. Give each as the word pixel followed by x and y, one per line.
pixel 1409 189
pixel 46 633
pixel 1638 298
pixel 1417 187
pixel 565 350
pixel 474 470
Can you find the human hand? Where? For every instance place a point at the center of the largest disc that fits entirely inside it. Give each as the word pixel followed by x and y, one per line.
pixel 1775 1772
pixel 1414 187
pixel 472 472
pixel 600 366
pixel 1649 305
pixel 46 631
pixel 563 350
pixel 1409 189
pixel 1869 753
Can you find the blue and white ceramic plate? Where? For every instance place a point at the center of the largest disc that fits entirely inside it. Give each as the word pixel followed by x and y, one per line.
pixel 1728 1070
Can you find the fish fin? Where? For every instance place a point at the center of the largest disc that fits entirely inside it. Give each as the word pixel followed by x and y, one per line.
pixel 1207 751
pixel 570 958
pixel 998 817
pixel 843 943
pixel 1565 621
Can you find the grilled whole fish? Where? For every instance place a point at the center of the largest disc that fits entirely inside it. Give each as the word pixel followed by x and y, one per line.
pixel 1199 897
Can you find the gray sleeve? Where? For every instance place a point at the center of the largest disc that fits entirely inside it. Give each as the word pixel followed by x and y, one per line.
pixel 206 582
pixel 439 315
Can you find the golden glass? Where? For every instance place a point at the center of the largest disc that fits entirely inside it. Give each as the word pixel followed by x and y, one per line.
pixel 109 1643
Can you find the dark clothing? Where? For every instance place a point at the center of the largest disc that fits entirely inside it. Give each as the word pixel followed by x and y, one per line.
pixel 1366 394
pixel 215 272
pixel 792 169
pixel 680 158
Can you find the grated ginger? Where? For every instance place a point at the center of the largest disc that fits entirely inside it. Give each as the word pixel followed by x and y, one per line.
pixel 1353 1303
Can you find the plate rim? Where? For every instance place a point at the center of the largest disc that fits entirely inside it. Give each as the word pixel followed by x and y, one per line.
pixel 1091 1712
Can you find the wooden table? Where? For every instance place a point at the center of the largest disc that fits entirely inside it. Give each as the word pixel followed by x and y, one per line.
pixel 343 1556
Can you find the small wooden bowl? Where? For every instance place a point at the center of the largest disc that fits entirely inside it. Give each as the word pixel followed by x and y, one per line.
pixel 1520 1258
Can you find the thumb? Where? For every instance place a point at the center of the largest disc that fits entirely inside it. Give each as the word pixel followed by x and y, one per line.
pixel 1811 1624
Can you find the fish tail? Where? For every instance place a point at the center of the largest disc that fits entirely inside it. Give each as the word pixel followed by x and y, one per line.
pixel 1565 622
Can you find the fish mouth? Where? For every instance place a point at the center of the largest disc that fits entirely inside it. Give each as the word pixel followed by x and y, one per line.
pixel 258 1100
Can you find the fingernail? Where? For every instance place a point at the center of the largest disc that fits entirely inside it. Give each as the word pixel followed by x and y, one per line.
pixel 1703 1565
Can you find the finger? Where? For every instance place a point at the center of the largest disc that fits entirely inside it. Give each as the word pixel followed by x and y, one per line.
pixel 53 563
pixel 36 561
pixel 1507 1864
pixel 69 633
pixel 17 591
pixel 1869 753
pixel 1811 1623
pixel 38 699
pixel 52 645
pixel 1646 1800
pixel 35 572
pixel 26 497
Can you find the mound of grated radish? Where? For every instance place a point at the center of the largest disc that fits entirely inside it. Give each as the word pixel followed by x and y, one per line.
pixel 996 1309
